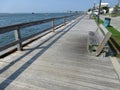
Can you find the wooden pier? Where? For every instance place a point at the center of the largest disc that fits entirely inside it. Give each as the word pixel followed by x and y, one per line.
pixel 59 61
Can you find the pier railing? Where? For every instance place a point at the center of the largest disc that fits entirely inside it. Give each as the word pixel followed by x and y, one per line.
pixel 17 28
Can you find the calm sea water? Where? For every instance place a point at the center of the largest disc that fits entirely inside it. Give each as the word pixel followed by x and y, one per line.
pixel 11 19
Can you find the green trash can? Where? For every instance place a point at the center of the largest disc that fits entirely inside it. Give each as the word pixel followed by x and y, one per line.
pixel 107 22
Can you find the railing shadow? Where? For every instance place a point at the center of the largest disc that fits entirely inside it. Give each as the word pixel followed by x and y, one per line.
pixel 14 75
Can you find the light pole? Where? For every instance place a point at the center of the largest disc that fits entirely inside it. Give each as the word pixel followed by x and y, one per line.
pixel 94 5
pixel 99 11
pixel 92 14
pixel 119 3
pixel 93 9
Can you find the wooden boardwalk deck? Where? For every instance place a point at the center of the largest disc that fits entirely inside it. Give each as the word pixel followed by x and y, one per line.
pixel 59 61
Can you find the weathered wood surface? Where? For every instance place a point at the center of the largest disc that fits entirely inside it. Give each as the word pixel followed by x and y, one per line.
pixel 98 39
pixel 99 36
pixel 104 40
pixel 59 61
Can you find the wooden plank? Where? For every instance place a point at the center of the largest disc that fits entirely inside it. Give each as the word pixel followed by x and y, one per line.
pixel 64 20
pixel 104 29
pixel 23 25
pixel 18 37
pixel 101 46
pixel 99 36
pixel 116 65
pixel 53 25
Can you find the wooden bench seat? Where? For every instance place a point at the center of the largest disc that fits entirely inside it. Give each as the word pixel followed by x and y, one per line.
pixel 97 40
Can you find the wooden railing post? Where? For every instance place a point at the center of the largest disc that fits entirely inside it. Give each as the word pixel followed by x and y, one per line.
pixel 53 25
pixel 64 20
pixel 18 37
pixel 71 18
pixel 76 16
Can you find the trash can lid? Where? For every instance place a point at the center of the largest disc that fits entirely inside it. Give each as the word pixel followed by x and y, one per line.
pixel 107 18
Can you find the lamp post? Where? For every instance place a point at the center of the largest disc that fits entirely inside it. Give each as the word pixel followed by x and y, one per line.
pixel 99 11
pixel 93 10
pixel 94 6
pixel 119 3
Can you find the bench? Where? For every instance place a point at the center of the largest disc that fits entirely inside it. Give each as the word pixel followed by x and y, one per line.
pixel 97 40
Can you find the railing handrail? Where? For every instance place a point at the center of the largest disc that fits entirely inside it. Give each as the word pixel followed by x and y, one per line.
pixel 28 24
pixel 17 27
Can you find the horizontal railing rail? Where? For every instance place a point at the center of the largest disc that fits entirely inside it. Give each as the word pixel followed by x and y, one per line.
pixel 16 28
pixel 28 24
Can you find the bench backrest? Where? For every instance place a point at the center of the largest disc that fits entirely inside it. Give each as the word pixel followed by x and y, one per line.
pixel 100 36
pixel 103 36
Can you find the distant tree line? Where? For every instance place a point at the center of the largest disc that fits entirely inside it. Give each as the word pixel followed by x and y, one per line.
pixel 116 9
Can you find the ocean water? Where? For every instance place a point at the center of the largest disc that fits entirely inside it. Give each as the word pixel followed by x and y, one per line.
pixel 11 19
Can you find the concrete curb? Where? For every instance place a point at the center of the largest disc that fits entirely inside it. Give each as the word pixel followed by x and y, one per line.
pixel 116 65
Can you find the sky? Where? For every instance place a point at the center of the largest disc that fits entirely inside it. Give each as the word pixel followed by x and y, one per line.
pixel 45 6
